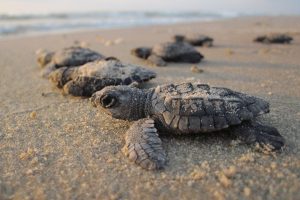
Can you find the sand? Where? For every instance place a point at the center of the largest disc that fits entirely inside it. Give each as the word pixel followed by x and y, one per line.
pixel 60 147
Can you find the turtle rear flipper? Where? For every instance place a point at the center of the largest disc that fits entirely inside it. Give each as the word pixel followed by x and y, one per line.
pixel 253 132
pixel 143 146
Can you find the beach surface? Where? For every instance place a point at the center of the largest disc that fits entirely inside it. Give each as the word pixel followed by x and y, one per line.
pixel 54 146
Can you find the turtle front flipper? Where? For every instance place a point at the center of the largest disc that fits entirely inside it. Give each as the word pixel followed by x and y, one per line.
pixel 86 86
pixel 48 70
pixel 156 60
pixel 143 145
pixel 61 76
pixel 252 132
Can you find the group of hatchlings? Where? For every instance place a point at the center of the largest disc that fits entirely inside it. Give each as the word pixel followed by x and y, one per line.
pixel 177 108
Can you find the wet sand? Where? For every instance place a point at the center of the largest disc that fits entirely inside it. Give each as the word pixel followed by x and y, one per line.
pixel 60 147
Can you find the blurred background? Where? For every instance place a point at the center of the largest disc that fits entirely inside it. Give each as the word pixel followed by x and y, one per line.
pixel 19 17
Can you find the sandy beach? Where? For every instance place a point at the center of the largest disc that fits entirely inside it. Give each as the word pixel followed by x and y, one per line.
pixel 60 147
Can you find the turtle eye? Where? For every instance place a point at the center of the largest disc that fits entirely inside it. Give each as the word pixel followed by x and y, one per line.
pixel 108 101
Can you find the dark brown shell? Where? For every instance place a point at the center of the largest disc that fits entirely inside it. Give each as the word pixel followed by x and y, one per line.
pixel 274 38
pixel 75 56
pixel 93 76
pixel 195 107
pixel 172 51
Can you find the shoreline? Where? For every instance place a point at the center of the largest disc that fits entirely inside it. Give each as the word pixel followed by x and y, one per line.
pixel 88 30
pixel 66 22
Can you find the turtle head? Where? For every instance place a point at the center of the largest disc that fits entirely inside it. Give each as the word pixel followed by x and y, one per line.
pixel 121 102
pixel 44 57
pixel 178 38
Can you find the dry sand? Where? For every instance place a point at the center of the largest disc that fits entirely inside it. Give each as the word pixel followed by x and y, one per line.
pixel 60 147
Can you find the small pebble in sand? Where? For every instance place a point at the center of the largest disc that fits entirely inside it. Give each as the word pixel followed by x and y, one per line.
pixel 39 51
pixel 34 161
pixel 118 41
pixel 84 185
pixel 33 115
pixel 163 176
pixel 224 180
pixel 197 175
pixel 108 43
pixel 247 191
pixel 190 183
pixel 247 158
pixel 196 69
pixel 68 128
pixel 229 52
pixel 273 165
pixel 114 196
pixel 230 171
pixel 84 44
pixel 29 153
pixel 266 149
pixel 279 175
pixel 218 195
pixel 205 165
pixel 235 143
pixel 100 39
pixel 81 44
pixel 258 23
pixel 270 93
pixel 263 85
pixel 263 51
pixel 76 42
pixel 109 160
pixel 29 172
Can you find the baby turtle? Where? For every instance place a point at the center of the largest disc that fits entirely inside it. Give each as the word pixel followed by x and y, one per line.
pixel 67 57
pixel 178 51
pixel 195 39
pixel 93 76
pixel 274 38
pixel 184 108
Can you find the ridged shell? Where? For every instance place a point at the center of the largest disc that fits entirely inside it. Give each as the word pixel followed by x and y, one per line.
pixel 195 107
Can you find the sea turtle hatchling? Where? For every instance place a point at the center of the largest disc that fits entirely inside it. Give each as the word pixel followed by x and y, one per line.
pixel 274 38
pixel 67 57
pixel 195 39
pixel 93 76
pixel 160 54
pixel 183 108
